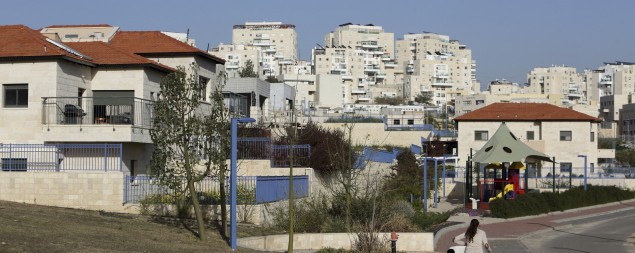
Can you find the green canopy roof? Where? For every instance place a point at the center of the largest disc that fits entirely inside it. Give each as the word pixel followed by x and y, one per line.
pixel 505 147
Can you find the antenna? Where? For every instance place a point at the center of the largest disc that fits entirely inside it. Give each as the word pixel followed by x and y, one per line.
pixel 207 47
pixel 187 34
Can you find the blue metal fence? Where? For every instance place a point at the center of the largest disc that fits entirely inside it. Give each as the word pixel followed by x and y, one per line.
pixel 271 189
pixel 257 148
pixel 61 157
pixel 250 190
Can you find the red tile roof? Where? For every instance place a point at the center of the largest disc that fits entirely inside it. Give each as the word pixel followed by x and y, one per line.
pixel 525 112
pixel 64 26
pixel 155 42
pixel 104 54
pixel 19 41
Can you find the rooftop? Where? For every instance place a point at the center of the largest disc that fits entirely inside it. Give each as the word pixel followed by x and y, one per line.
pixel 525 112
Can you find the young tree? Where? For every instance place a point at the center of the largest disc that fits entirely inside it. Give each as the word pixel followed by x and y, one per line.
pixel 181 138
pixel 424 98
pixel 248 70
pixel 218 127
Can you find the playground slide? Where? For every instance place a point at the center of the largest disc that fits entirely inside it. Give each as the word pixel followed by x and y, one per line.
pixel 508 188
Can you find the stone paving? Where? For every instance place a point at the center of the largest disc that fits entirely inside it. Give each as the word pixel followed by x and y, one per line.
pixel 505 233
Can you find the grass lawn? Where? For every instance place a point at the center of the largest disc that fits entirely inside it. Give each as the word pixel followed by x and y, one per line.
pixel 34 228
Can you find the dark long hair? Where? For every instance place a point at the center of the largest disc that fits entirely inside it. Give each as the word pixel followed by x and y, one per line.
pixel 471 230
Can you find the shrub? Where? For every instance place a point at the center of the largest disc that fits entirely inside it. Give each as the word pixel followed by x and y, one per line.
pixel 538 203
pixel 424 220
pixel 332 250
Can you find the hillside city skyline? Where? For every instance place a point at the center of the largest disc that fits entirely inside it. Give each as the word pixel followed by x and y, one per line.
pixel 508 40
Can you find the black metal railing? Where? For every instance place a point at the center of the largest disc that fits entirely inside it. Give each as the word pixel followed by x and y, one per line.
pixel 97 111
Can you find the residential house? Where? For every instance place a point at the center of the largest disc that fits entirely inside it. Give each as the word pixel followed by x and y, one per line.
pixel 555 131
pixel 64 86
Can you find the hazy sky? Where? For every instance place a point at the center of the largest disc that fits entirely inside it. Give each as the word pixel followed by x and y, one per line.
pixel 508 38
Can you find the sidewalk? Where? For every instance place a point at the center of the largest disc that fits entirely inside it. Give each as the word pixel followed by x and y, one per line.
pixel 509 229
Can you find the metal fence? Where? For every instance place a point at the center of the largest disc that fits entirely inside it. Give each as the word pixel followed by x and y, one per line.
pixel 250 190
pixel 61 157
pixel 280 155
pixel 97 111
pixel 256 148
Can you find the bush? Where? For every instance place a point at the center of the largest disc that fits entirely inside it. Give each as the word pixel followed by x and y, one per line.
pixel 424 220
pixel 539 203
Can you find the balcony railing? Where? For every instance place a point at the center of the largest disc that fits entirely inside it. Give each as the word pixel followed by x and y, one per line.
pixel 97 111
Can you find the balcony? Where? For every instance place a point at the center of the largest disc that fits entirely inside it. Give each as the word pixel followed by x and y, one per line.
pixel 286 62
pixel 441 75
pixel 380 76
pixel 99 119
pixel 347 77
pixel 574 95
pixel 364 98
pixel 369 44
pixel 261 43
pixel 358 92
pixel 371 69
pixel 232 65
pixel 269 50
pixel 386 58
pixel 607 80
pixel 390 64
pixel 442 85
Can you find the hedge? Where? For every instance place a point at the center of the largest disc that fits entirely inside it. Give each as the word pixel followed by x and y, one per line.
pixel 539 203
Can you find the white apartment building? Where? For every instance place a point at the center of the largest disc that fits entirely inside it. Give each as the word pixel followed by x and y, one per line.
pixel 236 56
pixel 270 46
pixel 435 64
pixel 91 91
pixel 361 59
pixel 612 85
pixel 558 80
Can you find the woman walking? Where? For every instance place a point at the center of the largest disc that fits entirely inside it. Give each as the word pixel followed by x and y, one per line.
pixel 474 239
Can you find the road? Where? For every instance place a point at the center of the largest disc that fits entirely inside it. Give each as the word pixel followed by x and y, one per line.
pixel 613 232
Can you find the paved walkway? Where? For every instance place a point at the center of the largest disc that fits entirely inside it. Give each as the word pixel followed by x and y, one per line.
pixel 504 234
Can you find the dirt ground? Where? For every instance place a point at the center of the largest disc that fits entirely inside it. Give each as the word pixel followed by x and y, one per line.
pixel 33 228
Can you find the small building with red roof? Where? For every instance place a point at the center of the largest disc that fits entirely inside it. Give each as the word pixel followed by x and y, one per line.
pixel 555 131
pixel 89 84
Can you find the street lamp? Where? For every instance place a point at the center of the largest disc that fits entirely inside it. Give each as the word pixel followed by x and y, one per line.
pixel 234 155
pixel 584 156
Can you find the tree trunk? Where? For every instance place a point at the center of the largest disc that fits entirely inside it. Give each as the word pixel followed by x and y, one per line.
pixel 223 203
pixel 197 211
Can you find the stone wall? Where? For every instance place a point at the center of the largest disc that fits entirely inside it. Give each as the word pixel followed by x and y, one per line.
pixel 408 242
pixel 83 190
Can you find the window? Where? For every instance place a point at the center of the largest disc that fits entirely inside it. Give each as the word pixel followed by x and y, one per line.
pixel 565 135
pixel 396 122
pixel 530 135
pixel 14 164
pixel 16 95
pixel 565 167
pixel 411 122
pixel 592 136
pixel 481 135
pixel 71 36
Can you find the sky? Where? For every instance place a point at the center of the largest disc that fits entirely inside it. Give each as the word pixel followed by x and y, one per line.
pixel 508 38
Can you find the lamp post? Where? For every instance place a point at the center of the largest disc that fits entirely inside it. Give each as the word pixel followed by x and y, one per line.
pixel 584 156
pixel 234 155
